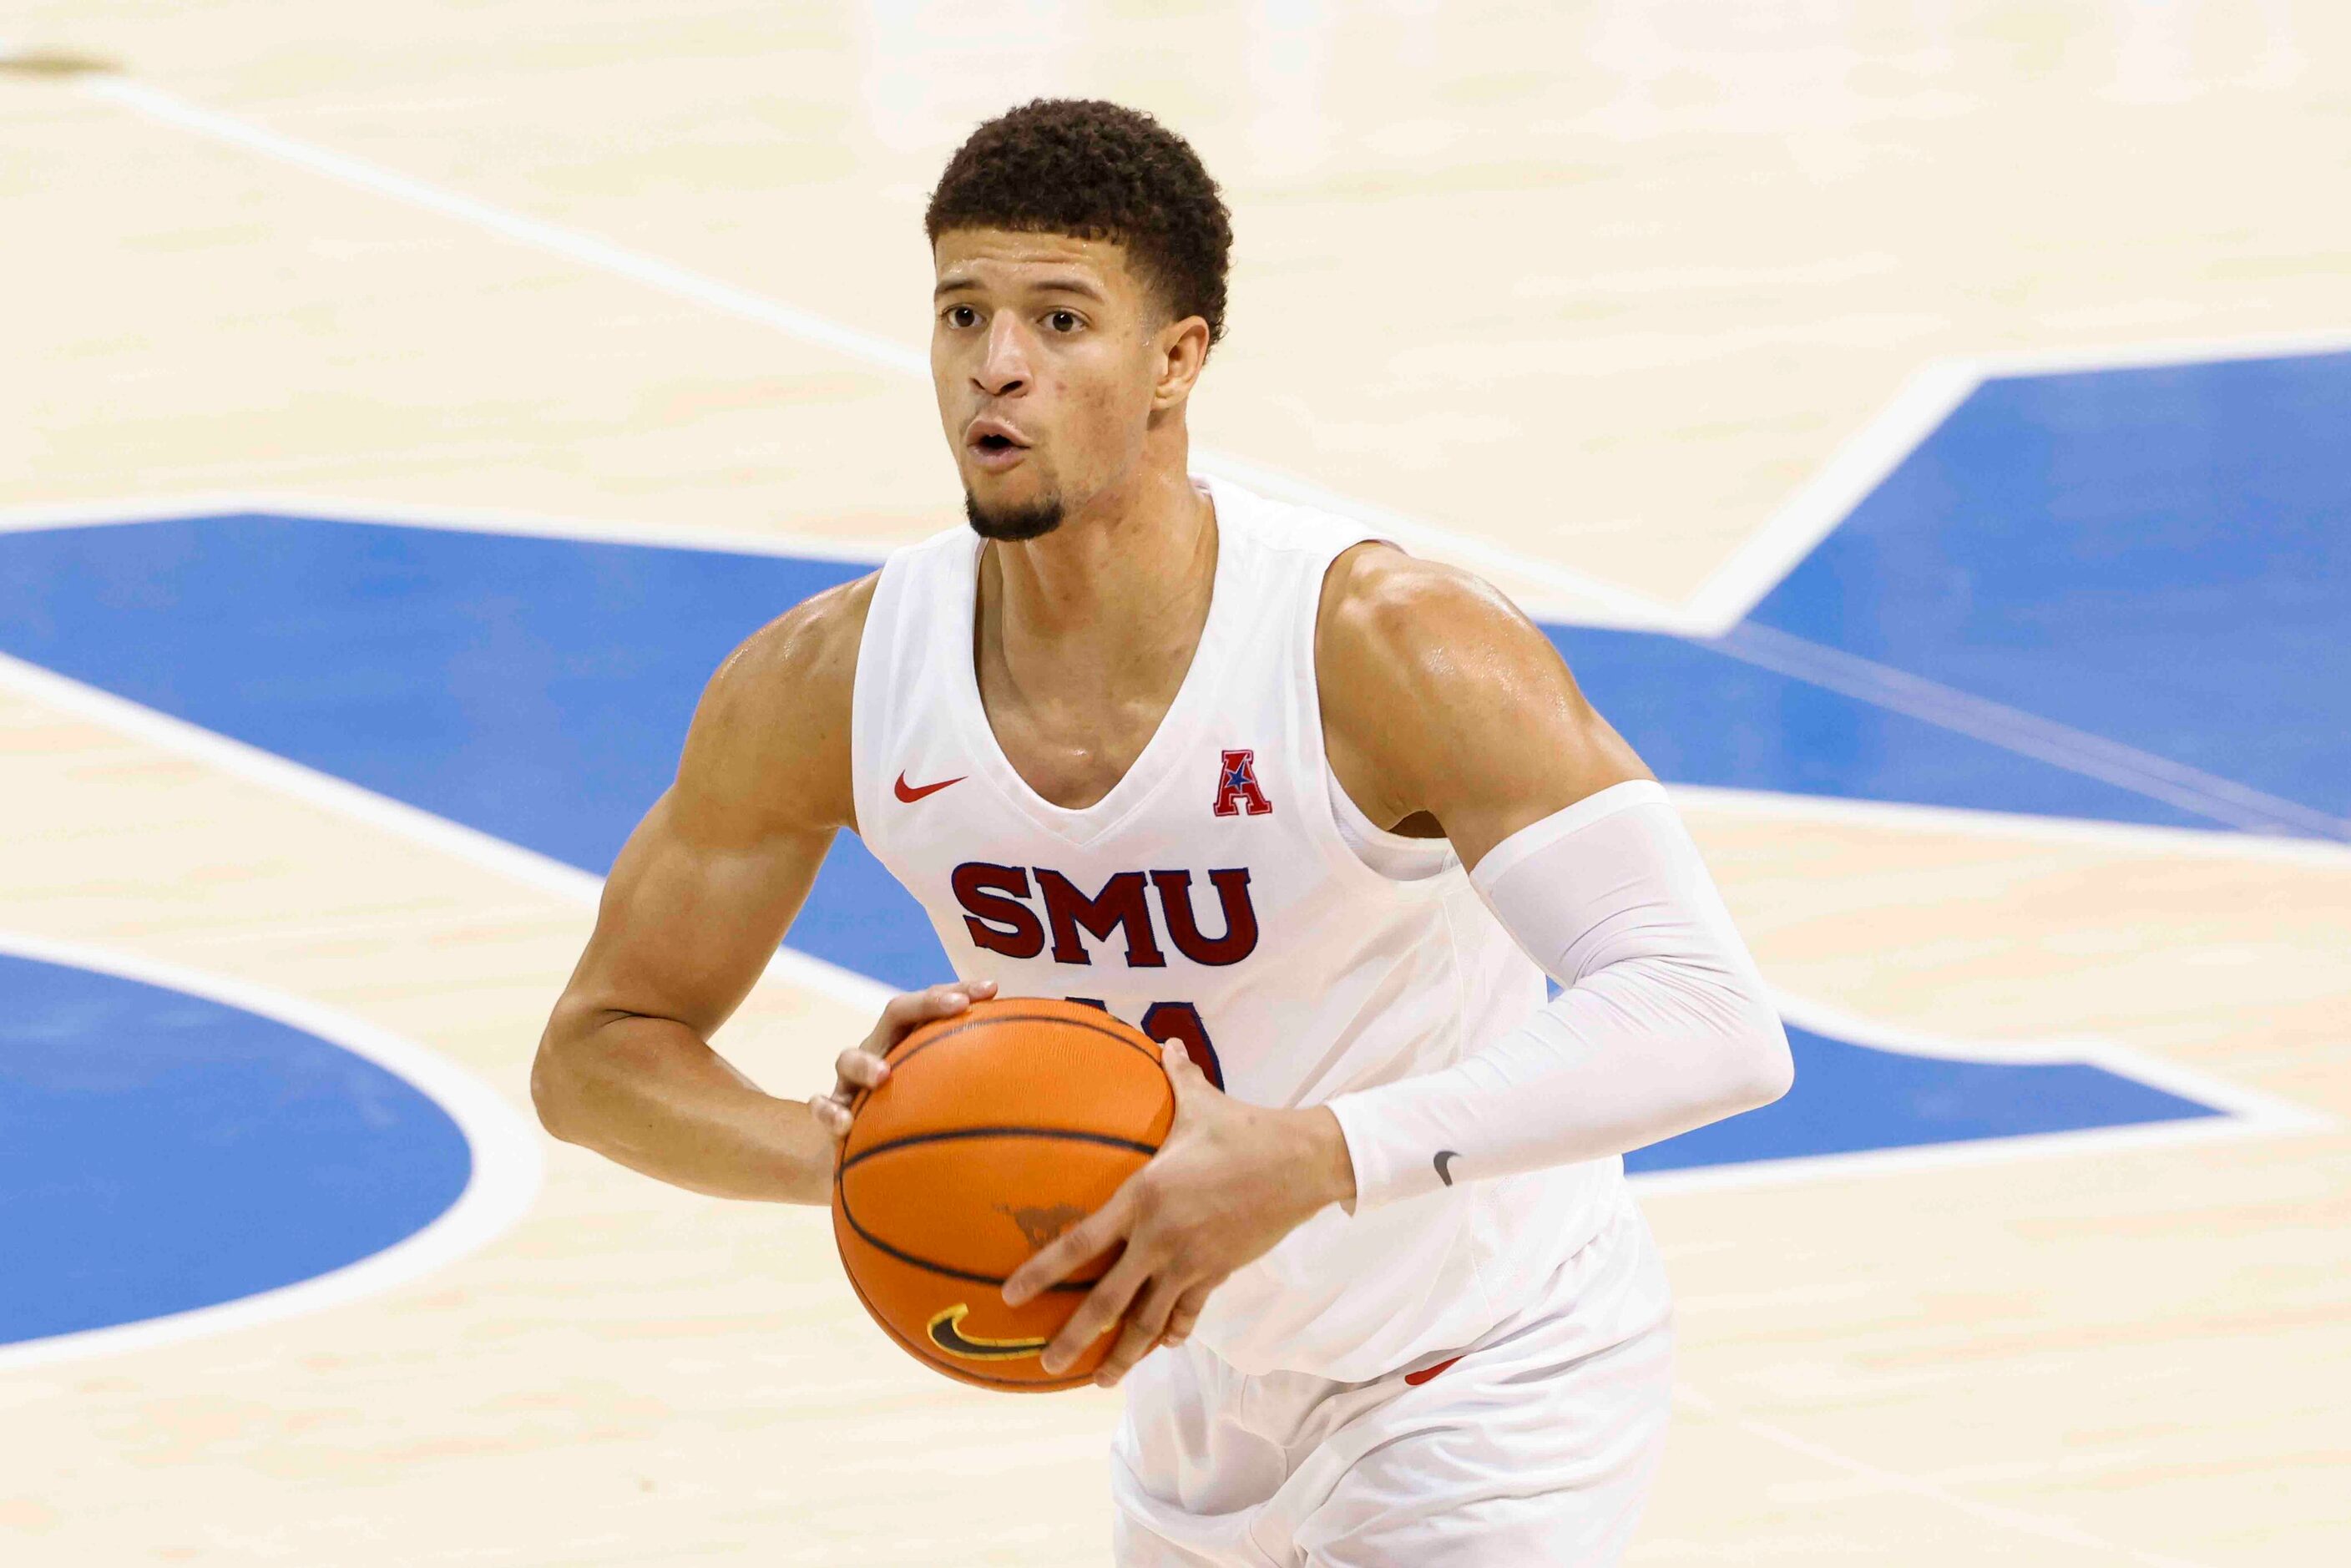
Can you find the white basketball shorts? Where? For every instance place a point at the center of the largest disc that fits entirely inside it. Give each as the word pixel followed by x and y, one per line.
pixel 1535 1445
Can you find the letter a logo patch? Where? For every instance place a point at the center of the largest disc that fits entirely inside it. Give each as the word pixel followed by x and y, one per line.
pixel 1237 787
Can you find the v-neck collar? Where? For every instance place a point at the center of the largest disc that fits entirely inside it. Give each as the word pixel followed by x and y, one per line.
pixel 1176 725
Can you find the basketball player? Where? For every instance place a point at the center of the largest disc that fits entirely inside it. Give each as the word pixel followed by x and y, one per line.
pixel 1318 815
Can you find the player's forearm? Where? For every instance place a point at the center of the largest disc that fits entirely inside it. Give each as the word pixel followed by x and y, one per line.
pixel 1602 1071
pixel 652 1095
pixel 1664 1025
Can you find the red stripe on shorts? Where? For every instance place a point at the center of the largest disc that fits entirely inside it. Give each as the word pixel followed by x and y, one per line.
pixel 1426 1373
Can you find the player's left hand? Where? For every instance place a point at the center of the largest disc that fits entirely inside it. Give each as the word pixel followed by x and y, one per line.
pixel 1230 1181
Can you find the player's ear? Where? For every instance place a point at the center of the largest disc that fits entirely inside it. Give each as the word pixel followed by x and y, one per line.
pixel 1181 349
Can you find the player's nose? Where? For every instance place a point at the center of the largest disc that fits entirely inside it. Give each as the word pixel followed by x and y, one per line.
pixel 1004 368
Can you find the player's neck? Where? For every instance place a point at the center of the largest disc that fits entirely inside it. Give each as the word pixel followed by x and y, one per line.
pixel 1120 588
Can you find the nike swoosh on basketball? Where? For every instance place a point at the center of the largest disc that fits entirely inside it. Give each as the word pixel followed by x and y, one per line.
pixel 910 793
pixel 946 1333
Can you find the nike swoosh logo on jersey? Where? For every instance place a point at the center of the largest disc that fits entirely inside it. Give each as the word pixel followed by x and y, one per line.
pixel 910 793
pixel 1446 1157
pixel 946 1334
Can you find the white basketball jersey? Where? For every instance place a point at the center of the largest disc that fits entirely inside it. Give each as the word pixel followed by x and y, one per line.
pixel 1210 898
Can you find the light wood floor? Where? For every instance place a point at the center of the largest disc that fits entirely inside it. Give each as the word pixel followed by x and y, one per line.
pixel 1591 289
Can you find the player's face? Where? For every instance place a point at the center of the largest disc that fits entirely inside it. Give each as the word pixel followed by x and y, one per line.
pixel 1046 357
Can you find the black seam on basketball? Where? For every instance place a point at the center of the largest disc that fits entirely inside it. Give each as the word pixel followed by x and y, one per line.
pixel 942 1270
pixel 895 1063
pixel 1086 1024
pixel 955 1135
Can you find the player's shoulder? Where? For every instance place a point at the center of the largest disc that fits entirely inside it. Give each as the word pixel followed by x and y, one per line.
pixel 805 656
pixel 1424 670
pixel 770 739
pixel 1388 618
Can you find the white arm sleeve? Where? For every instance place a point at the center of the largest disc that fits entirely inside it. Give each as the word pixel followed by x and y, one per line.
pixel 1664 1026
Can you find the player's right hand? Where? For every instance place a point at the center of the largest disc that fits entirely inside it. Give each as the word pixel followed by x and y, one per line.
pixel 861 1067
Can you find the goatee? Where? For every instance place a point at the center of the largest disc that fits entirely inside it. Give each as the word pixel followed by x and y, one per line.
pixel 1013 524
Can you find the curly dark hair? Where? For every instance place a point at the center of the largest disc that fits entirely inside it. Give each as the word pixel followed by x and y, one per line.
pixel 1099 171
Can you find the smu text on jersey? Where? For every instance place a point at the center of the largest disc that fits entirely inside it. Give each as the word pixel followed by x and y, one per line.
pixel 1001 904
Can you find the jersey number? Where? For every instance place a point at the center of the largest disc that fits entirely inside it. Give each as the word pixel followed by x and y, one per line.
pixel 1164 1021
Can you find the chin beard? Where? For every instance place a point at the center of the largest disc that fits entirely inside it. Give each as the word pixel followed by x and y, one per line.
pixel 1013 524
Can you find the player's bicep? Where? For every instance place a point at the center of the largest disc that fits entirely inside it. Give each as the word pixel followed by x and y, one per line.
pixel 1527 744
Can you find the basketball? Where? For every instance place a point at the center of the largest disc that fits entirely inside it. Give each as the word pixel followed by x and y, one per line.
pixel 999 1129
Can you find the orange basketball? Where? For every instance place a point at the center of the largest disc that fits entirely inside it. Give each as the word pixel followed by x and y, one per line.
pixel 999 1129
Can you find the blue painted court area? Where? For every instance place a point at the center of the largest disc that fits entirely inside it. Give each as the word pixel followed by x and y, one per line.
pixel 161 1152
pixel 2159 556
pixel 1850 1098
pixel 538 689
pixel 2145 556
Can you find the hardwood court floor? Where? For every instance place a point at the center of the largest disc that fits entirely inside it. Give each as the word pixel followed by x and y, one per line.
pixel 1592 296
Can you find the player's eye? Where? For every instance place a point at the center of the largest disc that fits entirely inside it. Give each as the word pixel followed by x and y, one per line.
pixel 1063 322
pixel 961 316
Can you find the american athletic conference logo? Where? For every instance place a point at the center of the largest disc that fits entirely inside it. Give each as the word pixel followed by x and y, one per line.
pixel 1237 786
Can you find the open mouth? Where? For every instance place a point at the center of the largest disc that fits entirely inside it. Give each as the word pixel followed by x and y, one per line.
pixel 994 445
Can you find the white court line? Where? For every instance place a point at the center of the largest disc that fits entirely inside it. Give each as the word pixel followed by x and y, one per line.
pixel 2017 1520
pixel 1584 601
pixel 2047 362
pixel 571 243
pixel 41 516
pixel 381 811
pixel 2134 838
pixel 1601 603
pixel 1828 497
pixel 1824 1018
pixel 504 1179
pixel 1862 1165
